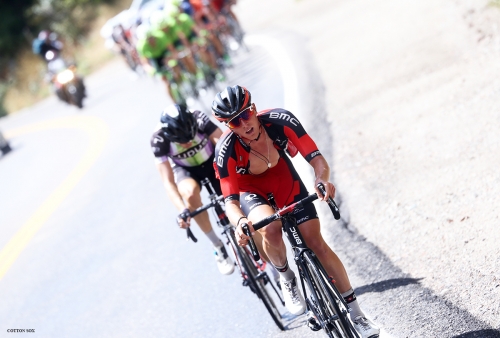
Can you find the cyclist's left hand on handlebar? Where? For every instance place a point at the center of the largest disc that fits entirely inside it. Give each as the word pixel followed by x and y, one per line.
pixel 240 235
pixel 329 188
pixel 184 219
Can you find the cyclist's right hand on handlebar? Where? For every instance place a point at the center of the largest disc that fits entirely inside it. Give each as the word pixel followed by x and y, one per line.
pixel 240 234
pixel 184 219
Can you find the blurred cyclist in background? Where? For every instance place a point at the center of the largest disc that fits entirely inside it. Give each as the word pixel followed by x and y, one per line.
pixel 183 145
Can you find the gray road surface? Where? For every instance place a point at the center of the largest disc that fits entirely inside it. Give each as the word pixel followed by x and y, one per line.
pixel 107 261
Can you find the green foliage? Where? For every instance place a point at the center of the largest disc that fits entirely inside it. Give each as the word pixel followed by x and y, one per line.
pixel 72 19
pixel 21 20
pixel 12 24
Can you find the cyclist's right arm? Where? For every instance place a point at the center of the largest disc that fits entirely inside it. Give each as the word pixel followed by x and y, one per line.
pixel 225 168
pixel 238 218
pixel 167 177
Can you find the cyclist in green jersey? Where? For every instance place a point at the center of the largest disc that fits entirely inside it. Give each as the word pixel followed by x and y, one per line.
pixel 154 47
pixel 201 38
pixel 165 21
pixel 188 36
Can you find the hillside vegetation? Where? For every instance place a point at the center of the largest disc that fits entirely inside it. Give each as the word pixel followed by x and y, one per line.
pixel 22 72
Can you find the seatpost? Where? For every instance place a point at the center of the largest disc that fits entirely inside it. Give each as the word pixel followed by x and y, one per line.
pixel 208 186
pixel 221 215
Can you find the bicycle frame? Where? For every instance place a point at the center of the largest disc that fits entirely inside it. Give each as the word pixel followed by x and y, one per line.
pixel 299 248
pixel 303 257
pixel 252 271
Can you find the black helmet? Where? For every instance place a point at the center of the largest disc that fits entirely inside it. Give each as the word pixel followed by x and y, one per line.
pixel 178 124
pixel 230 102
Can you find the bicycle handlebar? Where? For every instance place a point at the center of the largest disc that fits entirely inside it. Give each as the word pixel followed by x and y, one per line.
pixel 288 209
pixel 205 207
pixel 331 202
pixel 193 213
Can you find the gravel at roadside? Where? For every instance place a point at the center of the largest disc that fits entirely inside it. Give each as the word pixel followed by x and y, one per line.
pixel 411 93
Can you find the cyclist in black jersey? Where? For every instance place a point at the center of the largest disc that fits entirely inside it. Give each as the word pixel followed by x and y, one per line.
pixel 183 145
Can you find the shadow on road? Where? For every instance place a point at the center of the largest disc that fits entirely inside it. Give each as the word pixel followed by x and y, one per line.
pixel 490 333
pixel 387 285
pixel 291 322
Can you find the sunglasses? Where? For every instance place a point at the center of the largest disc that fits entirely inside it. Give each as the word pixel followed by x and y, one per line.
pixel 245 114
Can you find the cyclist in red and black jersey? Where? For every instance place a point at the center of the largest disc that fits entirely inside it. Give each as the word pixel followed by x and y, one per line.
pixel 252 160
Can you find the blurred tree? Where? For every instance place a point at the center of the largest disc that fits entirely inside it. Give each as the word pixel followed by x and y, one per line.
pixel 12 24
pixel 21 20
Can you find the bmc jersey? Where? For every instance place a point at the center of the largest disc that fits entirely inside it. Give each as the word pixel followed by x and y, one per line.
pixel 201 150
pixel 232 159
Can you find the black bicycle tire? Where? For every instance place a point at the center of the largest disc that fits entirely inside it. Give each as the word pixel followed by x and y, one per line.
pixel 313 300
pixel 341 305
pixel 247 265
pixel 317 272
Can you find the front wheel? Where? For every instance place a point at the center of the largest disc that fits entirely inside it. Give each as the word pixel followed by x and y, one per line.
pixel 256 280
pixel 325 301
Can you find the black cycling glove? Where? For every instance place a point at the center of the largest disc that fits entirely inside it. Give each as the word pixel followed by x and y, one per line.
pixel 184 215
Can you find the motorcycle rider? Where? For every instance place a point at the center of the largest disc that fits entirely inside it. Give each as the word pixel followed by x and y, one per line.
pixel 183 145
pixel 46 41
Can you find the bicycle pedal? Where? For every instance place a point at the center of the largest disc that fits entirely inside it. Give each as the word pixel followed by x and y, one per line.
pixel 313 324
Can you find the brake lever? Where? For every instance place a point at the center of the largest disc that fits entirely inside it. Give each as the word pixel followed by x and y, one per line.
pixel 331 203
pixel 189 233
pixel 253 247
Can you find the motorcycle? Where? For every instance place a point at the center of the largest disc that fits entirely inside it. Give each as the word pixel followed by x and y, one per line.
pixel 69 87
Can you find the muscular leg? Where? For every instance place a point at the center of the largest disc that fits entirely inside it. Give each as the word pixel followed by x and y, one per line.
pixel 271 238
pixel 190 192
pixel 257 238
pixel 310 230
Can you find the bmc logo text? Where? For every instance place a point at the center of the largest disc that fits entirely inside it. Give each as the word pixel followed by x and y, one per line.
pixel 222 152
pixel 295 235
pixel 315 153
pixel 286 117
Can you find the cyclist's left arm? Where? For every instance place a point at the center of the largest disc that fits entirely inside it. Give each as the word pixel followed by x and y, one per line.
pixel 322 175
pixel 309 150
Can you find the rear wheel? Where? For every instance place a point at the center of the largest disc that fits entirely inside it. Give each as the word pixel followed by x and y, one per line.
pixel 324 301
pixel 257 280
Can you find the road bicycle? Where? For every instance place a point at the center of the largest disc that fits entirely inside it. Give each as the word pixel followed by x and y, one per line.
pixel 323 299
pixel 252 270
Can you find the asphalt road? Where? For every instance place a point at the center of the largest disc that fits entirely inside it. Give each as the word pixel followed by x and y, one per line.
pixel 89 248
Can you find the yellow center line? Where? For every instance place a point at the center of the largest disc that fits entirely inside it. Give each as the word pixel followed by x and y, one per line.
pixel 98 134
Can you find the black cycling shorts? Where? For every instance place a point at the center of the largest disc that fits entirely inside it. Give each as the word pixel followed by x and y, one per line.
pixel 198 173
pixel 249 201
